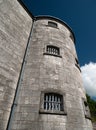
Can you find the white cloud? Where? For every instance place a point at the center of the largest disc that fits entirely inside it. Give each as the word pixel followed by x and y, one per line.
pixel 89 78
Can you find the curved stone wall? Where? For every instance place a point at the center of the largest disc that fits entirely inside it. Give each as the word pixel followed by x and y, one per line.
pixel 15 26
pixel 54 73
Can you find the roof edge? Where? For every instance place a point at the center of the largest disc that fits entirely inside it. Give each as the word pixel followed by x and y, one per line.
pixel 26 9
pixel 46 17
pixel 56 19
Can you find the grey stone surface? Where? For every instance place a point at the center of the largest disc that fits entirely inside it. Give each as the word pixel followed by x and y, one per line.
pixel 41 73
pixel 15 26
pixel 94 125
pixel 47 73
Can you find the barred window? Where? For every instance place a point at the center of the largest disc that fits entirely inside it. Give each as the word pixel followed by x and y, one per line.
pixel 53 50
pixel 86 109
pixel 53 101
pixel 52 24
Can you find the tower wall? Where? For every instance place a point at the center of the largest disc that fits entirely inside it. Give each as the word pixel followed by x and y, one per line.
pixel 50 73
pixel 15 26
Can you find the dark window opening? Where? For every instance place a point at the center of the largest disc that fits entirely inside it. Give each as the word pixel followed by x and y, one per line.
pixel 53 101
pixel 53 50
pixel 71 36
pixel 77 64
pixel 86 110
pixel 78 67
pixel 85 103
pixel 52 24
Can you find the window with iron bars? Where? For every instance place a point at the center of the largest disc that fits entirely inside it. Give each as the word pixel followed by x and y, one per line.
pixel 53 101
pixel 53 50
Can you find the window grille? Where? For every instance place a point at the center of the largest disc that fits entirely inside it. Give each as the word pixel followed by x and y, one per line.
pixel 86 110
pixel 53 50
pixel 52 24
pixel 53 102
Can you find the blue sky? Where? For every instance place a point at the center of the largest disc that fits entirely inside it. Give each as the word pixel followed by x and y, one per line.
pixel 80 15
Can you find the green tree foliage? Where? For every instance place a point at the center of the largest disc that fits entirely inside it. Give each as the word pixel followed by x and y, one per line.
pixel 92 106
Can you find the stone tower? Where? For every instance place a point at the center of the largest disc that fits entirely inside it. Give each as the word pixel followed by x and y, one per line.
pixel 41 84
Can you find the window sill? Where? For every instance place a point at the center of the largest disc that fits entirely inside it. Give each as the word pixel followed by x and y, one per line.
pixel 54 112
pixel 88 117
pixel 52 54
pixel 52 26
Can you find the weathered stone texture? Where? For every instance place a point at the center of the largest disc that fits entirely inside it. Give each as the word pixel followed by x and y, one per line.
pixel 43 73
pixel 15 26
pixel 94 125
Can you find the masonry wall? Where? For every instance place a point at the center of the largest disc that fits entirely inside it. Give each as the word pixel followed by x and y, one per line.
pixel 15 26
pixel 48 73
pixel 94 126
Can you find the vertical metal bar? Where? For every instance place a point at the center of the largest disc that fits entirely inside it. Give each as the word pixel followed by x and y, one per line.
pixel 56 52
pixel 47 49
pixel 59 103
pixel 46 102
pixel 52 102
